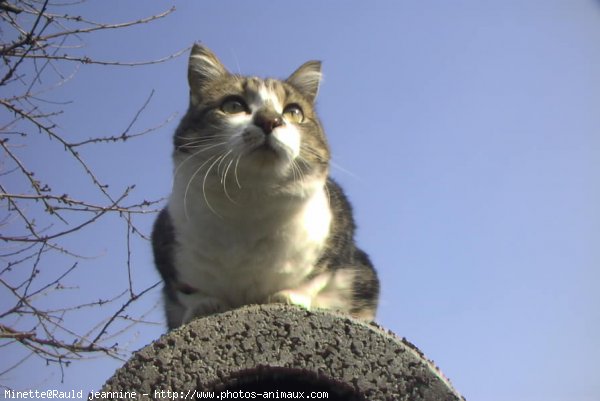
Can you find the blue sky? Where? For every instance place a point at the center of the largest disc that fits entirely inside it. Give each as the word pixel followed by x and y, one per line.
pixel 465 133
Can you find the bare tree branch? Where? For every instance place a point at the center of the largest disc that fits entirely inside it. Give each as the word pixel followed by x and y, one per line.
pixel 38 216
pixel 89 60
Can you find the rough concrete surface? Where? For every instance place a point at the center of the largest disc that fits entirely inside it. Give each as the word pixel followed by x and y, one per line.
pixel 280 351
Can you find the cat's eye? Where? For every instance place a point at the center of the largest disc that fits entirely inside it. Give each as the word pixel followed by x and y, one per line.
pixel 293 113
pixel 234 105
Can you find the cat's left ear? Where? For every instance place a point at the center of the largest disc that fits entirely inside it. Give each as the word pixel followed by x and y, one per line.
pixel 307 79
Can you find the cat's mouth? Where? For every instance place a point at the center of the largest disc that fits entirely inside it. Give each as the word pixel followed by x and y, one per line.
pixel 269 147
pixel 268 151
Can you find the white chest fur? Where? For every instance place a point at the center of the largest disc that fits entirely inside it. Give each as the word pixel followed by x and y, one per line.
pixel 247 251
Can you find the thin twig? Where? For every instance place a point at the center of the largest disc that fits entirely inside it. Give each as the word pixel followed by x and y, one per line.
pixel 42 41
pixel 89 60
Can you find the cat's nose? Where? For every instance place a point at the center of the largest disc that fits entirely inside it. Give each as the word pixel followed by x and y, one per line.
pixel 268 121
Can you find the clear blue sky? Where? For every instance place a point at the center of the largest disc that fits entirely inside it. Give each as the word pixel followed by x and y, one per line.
pixel 468 139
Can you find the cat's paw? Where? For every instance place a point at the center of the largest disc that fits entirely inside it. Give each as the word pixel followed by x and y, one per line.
pixel 291 297
pixel 203 307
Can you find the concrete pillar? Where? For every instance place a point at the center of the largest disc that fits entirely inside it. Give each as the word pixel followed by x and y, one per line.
pixel 279 351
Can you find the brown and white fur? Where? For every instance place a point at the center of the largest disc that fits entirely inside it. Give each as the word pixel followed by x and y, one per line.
pixel 253 216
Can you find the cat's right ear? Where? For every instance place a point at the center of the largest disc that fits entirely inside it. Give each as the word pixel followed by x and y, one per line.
pixel 203 67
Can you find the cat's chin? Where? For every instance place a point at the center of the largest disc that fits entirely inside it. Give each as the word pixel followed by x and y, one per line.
pixel 268 168
pixel 268 157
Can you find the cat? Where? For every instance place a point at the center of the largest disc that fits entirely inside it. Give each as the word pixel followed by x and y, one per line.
pixel 253 216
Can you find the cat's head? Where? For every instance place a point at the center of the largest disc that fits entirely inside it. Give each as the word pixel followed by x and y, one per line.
pixel 250 127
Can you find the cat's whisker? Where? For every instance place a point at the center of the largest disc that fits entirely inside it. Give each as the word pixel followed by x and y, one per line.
pixel 208 144
pixel 332 163
pixel 297 173
pixel 346 171
pixel 235 171
pixel 293 169
pixel 312 151
pixel 224 180
pixel 304 162
pixel 220 162
pixel 204 138
pixel 184 161
pixel 328 193
pixel 217 160
pixel 189 184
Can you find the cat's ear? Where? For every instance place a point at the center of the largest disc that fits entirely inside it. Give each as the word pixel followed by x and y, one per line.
pixel 203 67
pixel 307 79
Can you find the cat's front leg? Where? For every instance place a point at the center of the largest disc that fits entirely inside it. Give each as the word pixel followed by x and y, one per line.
pixel 303 295
pixel 199 305
pixel 291 297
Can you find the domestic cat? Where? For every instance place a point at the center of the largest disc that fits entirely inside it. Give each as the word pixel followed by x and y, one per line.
pixel 253 216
